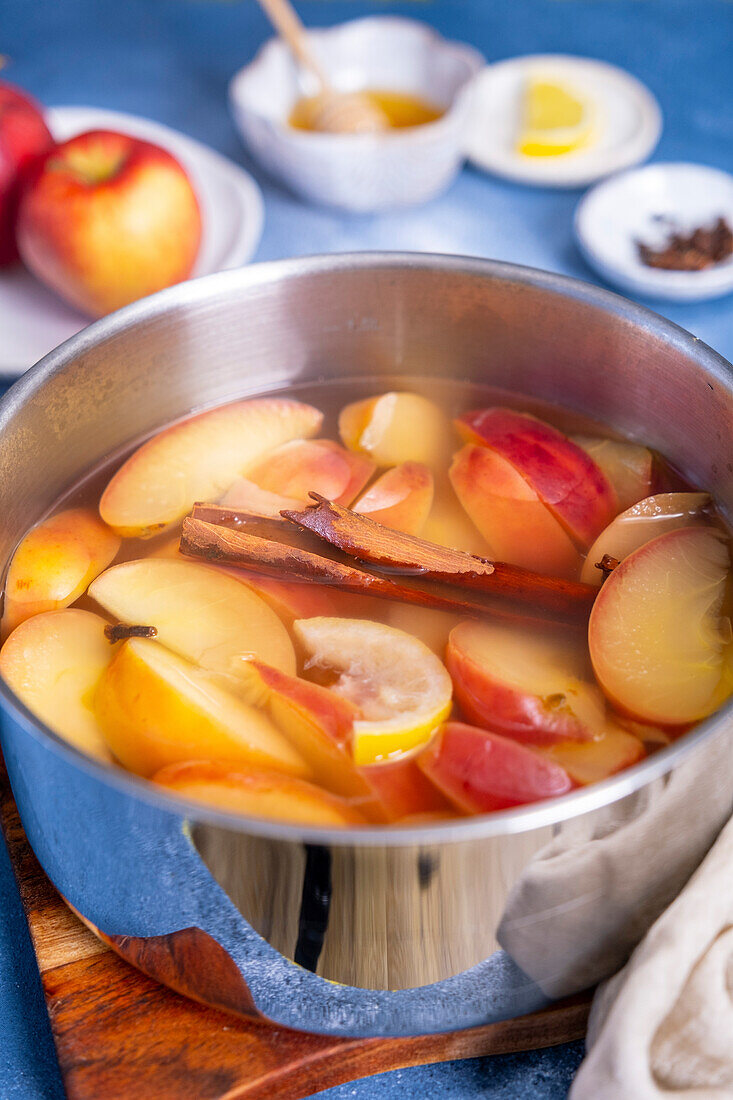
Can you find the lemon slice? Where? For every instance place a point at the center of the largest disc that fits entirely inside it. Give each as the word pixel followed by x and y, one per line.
pixel 556 120
pixel 401 688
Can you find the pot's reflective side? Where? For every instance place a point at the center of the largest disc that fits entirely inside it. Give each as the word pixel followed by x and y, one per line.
pixel 568 902
pixel 566 899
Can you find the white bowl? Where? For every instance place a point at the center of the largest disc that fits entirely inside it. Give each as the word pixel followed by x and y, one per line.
pixel 33 319
pixel 361 172
pixel 628 120
pixel 627 208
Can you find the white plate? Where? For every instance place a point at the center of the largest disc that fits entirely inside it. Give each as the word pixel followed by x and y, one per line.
pixel 616 214
pixel 33 320
pixel 628 120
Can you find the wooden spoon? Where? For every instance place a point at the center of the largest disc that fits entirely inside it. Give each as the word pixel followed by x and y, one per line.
pixel 328 111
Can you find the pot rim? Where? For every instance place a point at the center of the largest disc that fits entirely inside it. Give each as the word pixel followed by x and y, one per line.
pixel 520 819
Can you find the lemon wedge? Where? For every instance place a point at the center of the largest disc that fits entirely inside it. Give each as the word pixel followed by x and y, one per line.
pixel 401 688
pixel 556 120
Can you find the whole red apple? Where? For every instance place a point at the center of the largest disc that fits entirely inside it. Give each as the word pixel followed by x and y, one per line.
pixel 107 219
pixel 24 138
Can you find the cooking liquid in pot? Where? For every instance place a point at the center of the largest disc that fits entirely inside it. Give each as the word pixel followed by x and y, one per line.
pixel 329 670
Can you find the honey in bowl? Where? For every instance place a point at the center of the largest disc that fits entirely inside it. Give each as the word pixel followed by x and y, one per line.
pixel 471 613
pixel 401 109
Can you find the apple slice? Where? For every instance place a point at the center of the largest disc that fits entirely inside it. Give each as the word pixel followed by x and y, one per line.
pixel 257 793
pixel 245 496
pixel 401 790
pixel 640 524
pixel 54 563
pixel 517 526
pixel 592 761
pixel 318 722
pixel 480 771
pixel 199 612
pixel 312 465
pixel 399 427
pixel 657 634
pixel 401 689
pixel 198 459
pixel 401 498
pixel 53 662
pixel 155 708
pixel 563 475
pixel 534 687
pixel 628 466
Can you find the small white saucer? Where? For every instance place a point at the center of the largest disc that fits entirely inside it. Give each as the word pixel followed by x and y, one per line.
pixel 628 121
pixel 639 206
pixel 33 320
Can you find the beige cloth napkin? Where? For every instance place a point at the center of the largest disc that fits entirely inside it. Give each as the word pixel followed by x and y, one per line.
pixel 663 1026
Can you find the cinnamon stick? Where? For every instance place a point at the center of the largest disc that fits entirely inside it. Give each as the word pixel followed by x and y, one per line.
pixel 214 543
pixel 381 547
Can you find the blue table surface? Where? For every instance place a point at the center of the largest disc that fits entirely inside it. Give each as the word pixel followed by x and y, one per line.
pixel 171 60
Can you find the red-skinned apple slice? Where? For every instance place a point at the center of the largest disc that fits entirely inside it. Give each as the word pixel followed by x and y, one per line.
pixel 517 526
pixel 313 465
pixel 640 524
pixel 54 564
pixel 401 790
pixel 254 792
pixel 563 475
pixel 317 722
pixel 657 634
pixel 533 687
pixel 628 466
pixel 592 761
pixel 199 459
pixel 401 498
pixel 480 772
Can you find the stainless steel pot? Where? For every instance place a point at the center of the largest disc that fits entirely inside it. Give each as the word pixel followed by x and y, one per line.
pixel 428 928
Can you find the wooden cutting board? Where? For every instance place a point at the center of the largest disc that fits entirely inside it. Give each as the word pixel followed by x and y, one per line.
pixel 120 1034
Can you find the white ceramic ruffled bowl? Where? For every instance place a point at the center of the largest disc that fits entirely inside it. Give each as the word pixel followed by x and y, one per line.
pixel 361 172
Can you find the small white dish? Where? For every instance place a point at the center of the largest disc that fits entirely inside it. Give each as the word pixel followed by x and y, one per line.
pixel 644 205
pixel 33 320
pixel 361 172
pixel 628 121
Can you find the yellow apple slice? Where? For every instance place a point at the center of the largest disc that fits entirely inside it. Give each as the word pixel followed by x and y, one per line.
pixel 628 466
pixel 397 428
pixel 256 793
pixel 401 689
pixel 200 612
pixel 53 662
pixel 657 635
pixel 155 708
pixel 199 459
pixel 640 524
pixel 54 564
